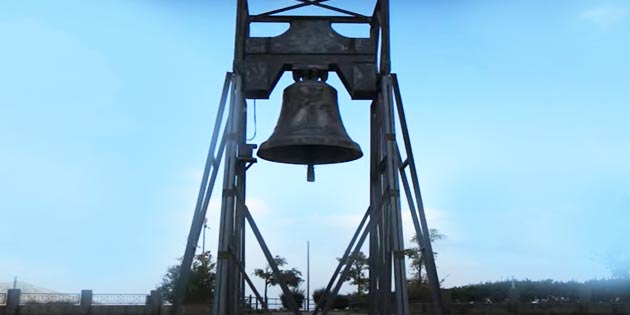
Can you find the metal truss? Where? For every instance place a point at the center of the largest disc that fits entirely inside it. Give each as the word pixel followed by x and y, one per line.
pixel 258 64
pixel 305 3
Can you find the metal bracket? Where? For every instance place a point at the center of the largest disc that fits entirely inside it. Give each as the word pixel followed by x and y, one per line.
pixel 309 43
pixel 245 153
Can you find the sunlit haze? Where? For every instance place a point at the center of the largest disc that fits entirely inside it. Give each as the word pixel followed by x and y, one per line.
pixel 518 113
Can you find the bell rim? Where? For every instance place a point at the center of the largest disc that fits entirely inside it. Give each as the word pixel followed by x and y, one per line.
pixel 349 151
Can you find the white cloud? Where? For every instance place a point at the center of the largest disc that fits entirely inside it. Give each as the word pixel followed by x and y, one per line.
pixel 435 219
pixel 604 17
pixel 258 207
pixel 342 220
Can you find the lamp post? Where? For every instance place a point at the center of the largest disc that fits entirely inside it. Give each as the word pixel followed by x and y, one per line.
pixel 203 243
pixel 308 275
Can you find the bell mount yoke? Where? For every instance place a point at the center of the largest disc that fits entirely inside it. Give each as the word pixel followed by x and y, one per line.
pixel 312 74
pixel 309 44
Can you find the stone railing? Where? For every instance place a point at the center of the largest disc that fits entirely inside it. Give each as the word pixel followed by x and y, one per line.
pixel 120 299
pixel 49 298
pixel 87 303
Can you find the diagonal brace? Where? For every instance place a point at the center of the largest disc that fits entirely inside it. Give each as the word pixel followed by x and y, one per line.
pixel 205 191
pixel 346 254
pixel 430 260
pixel 274 267
pixel 239 264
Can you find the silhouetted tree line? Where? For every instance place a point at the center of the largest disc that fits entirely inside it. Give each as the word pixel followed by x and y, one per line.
pixel 615 290
pixel 604 290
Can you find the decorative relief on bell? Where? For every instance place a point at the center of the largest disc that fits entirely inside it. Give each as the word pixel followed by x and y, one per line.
pixel 309 130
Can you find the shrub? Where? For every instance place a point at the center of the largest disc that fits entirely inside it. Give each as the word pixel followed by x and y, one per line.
pixel 359 302
pixel 340 302
pixel 317 294
pixel 298 295
pixel 419 292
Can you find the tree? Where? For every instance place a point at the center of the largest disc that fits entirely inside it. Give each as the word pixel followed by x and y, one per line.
pixel 356 272
pixel 298 296
pixel 619 267
pixel 200 287
pixel 416 255
pixel 292 277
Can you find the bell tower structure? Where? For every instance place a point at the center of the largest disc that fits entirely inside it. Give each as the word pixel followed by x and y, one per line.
pixel 311 49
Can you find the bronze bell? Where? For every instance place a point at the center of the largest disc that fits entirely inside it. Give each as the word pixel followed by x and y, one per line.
pixel 309 130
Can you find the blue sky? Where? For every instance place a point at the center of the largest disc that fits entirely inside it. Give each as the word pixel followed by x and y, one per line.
pixel 518 112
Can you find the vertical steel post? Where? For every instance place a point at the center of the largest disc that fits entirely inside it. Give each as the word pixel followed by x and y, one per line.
pixel 391 169
pixel 374 259
pixel 225 300
pixel 386 228
pixel 239 217
pixel 383 15
pixel 241 134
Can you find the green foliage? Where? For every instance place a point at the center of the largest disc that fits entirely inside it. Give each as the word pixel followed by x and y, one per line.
pixel 200 286
pixel 298 295
pixel 419 292
pixel 317 294
pixel 619 266
pixel 417 257
pixel 606 290
pixel 291 277
pixel 340 302
pixel 267 274
pixel 359 302
pixel 610 290
pixel 356 274
pixel 480 293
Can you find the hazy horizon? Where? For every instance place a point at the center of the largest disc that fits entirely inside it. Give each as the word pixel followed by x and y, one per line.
pixel 518 113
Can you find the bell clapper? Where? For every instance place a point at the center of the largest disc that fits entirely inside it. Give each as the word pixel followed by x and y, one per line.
pixel 310 173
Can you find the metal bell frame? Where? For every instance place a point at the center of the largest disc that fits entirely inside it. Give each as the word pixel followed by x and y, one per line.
pixel 258 64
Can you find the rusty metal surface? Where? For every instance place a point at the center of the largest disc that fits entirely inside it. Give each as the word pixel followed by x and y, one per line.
pixel 309 130
pixel 310 42
pixel 310 37
pixel 309 125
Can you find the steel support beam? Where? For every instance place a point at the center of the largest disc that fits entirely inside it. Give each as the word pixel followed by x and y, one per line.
pixel 274 267
pixel 213 161
pixel 431 269
pixel 392 182
pixel 228 292
pixel 340 265
pixel 258 64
